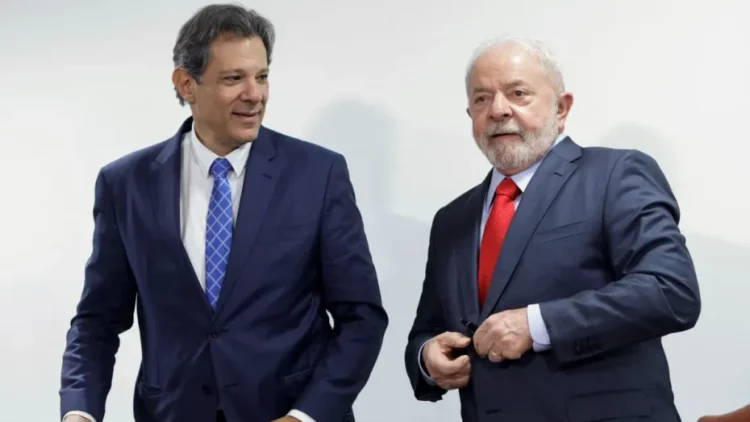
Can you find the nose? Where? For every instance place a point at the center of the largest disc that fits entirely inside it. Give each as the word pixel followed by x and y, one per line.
pixel 252 92
pixel 500 108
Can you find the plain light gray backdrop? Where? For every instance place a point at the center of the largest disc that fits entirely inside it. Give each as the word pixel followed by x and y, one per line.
pixel 84 82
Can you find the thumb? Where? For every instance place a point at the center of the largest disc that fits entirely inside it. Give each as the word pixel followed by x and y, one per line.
pixel 462 360
pixel 456 340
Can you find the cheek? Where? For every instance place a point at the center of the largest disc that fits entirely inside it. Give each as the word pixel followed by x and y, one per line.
pixel 227 96
pixel 528 120
pixel 478 126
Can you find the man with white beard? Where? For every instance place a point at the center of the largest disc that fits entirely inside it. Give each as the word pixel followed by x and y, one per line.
pixel 549 286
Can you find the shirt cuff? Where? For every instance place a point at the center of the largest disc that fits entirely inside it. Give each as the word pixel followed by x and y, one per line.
pixel 420 361
pixel 537 328
pixel 300 415
pixel 79 413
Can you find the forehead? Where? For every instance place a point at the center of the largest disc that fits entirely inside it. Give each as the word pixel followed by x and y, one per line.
pixel 230 52
pixel 507 65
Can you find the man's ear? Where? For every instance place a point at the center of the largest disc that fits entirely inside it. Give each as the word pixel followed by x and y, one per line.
pixel 184 84
pixel 564 104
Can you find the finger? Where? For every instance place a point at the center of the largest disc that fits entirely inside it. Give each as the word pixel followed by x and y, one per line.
pixel 495 357
pixel 513 352
pixel 462 382
pixel 453 383
pixel 449 368
pixel 441 365
pixel 483 336
pixel 464 371
pixel 455 340
pixel 481 332
pixel 483 345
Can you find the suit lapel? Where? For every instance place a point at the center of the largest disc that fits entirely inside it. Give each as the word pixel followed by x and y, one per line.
pixel 165 203
pixel 553 172
pixel 264 164
pixel 466 253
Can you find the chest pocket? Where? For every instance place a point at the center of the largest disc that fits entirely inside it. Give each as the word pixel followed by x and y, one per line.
pixel 558 232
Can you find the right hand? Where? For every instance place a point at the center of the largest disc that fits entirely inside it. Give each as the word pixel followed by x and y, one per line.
pixel 75 418
pixel 448 373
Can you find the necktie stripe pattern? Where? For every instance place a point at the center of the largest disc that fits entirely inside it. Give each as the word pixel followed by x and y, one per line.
pixel 218 230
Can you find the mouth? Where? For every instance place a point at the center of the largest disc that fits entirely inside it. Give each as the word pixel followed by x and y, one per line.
pixel 248 116
pixel 501 136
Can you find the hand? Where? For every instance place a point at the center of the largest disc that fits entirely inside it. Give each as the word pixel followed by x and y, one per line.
pixel 448 373
pixel 287 419
pixel 75 418
pixel 504 335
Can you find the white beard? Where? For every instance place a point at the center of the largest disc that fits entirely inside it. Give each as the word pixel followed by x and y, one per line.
pixel 509 155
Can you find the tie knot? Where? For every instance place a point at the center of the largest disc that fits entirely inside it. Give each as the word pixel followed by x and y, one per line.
pixel 220 168
pixel 508 188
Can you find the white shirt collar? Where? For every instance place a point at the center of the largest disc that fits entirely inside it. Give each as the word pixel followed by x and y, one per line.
pixel 204 157
pixel 521 179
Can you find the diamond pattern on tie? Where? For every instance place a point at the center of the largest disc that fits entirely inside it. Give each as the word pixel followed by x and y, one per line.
pixel 218 230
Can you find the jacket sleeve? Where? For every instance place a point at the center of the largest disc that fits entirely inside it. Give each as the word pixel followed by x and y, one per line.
pixel 105 310
pixel 351 294
pixel 655 292
pixel 427 324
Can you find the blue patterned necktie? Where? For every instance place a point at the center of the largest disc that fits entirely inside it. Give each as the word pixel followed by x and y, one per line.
pixel 218 230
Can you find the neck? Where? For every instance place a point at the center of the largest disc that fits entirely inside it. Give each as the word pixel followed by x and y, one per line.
pixel 209 140
pixel 512 172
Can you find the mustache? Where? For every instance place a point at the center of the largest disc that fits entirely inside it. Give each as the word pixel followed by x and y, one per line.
pixel 497 129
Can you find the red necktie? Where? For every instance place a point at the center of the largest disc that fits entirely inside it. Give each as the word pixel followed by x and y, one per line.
pixel 497 225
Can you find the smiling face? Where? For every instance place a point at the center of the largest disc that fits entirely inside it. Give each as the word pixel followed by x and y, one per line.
pixel 229 103
pixel 514 106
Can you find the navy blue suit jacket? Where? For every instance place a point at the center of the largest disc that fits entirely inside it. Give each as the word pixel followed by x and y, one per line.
pixel 594 241
pixel 299 249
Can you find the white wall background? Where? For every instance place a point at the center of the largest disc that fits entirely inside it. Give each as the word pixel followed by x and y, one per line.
pixel 83 82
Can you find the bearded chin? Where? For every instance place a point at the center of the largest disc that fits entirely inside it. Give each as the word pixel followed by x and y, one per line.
pixel 513 155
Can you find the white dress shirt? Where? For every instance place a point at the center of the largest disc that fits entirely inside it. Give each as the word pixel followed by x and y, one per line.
pixel 537 329
pixel 196 184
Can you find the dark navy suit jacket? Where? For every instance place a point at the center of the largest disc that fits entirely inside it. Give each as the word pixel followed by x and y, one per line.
pixel 594 241
pixel 299 249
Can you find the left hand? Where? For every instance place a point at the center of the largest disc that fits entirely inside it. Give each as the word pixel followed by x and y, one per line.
pixel 504 335
pixel 287 419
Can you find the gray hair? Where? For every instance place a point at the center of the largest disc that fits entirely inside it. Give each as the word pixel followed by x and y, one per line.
pixel 192 49
pixel 533 46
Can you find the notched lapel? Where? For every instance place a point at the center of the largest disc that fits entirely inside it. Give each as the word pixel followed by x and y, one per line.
pixel 466 252
pixel 264 165
pixel 165 203
pixel 551 175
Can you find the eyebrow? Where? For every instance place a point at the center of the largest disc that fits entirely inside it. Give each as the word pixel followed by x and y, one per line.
pixel 232 71
pixel 517 83
pixel 481 90
pixel 512 84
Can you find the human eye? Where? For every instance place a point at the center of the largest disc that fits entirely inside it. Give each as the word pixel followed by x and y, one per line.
pixel 479 99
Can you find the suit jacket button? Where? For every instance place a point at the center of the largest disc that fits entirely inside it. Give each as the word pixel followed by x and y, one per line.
pixel 206 390
pixel 215 332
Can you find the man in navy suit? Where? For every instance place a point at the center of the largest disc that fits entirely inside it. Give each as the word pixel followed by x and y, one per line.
pixel 234 241
pixel 549 286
